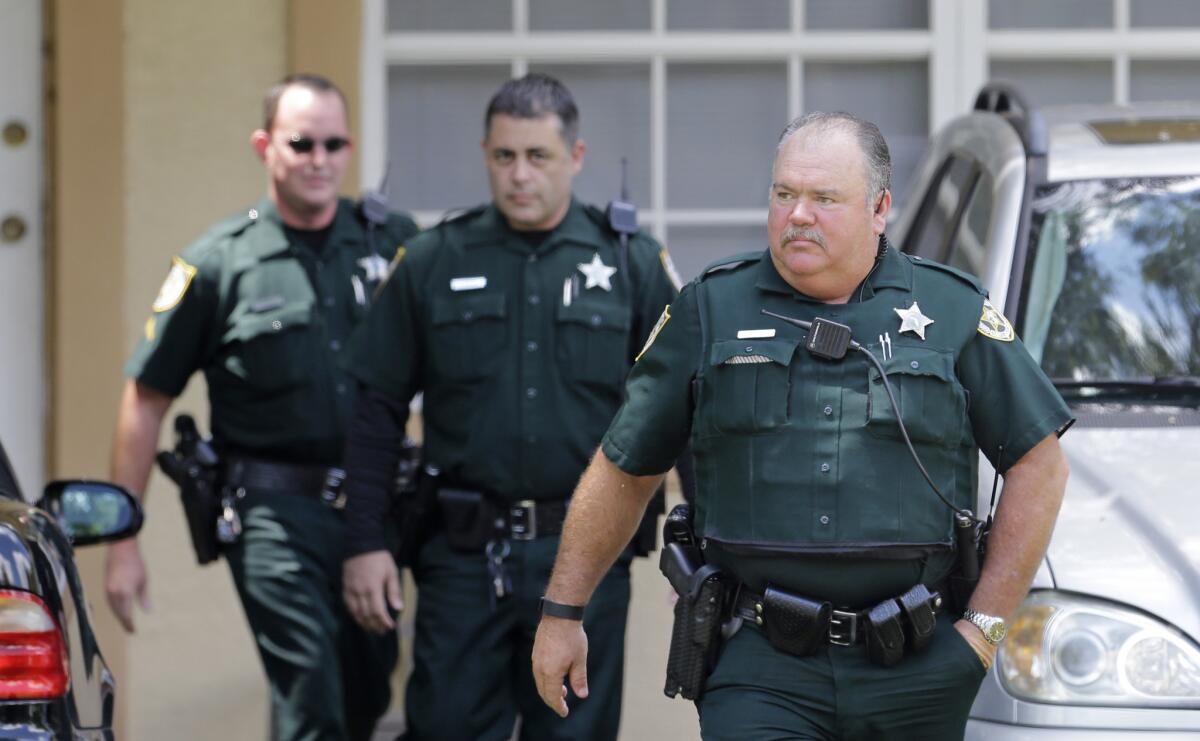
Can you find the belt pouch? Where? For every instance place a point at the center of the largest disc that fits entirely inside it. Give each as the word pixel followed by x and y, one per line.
pixel 918 605
pixel 468 518
pixel 885 633
pixel 696 634
pixel 794 624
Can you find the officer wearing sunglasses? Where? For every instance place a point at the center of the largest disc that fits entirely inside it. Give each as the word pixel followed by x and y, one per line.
pixel 263 304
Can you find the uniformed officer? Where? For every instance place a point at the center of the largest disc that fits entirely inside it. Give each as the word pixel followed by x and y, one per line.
pixel 805 484
pixel 518 320
pixel 263 304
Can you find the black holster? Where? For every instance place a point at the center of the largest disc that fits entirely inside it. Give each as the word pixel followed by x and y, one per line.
pixel 700 611
pixel 468 518
pixel 696 633
pixel 970 540
pixel 414 502
pixel 193 466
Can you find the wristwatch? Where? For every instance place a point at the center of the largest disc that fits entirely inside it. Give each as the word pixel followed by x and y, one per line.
pixel 559 610
pixel 993 628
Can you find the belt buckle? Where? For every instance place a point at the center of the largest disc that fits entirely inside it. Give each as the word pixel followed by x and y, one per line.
pixel 522 520
pixel 841 620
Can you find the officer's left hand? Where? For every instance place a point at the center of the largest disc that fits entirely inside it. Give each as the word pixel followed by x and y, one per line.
pixel 983 648
pixel 560 648
pixel 370 585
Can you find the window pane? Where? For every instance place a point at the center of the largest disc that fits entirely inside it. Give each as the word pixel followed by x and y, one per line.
pixel 692 248
pixel 722 124
pixel 435 124
pixel 1164 80
pixel 1057 14
pixel 893 95
pixel 1050 83
pixel 614 120
pixel 1164 13
pixel 588 15
pixel 823 15
pixel 448 15
pixel 728 15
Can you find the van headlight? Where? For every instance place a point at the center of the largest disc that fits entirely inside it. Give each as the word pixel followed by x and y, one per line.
pixel 1067 649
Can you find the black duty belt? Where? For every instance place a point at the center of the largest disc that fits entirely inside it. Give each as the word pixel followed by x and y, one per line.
pixel 528 519
pixel 845 627
pixel 797 624
pixel 294 478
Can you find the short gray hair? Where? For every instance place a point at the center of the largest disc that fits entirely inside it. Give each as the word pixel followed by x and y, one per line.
pixel 870 141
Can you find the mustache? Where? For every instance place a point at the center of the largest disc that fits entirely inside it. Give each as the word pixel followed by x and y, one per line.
pixel 802 232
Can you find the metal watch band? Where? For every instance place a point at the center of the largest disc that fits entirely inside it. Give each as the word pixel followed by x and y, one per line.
pixel 993 628
pixel 559 610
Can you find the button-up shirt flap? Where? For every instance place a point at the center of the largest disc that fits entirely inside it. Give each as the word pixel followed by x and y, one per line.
pixel 467 308
pixel 778 350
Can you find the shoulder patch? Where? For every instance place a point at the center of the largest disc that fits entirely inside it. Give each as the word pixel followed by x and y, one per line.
pixel 732 262
pixel 669 266
pixel 658 326
pixel 174 286
pixel 962 275
pixel 993 324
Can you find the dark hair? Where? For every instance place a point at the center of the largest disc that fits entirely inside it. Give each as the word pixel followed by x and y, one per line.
pixel 316 83
pixel 533 96
pixel 870 141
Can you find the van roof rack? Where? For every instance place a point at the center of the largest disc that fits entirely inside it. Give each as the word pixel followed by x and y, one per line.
pixel 1006 101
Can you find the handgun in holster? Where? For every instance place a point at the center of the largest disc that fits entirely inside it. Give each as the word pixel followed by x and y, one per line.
pixel 194 467
pixel 700 611
pixel 970 540
pixel 414 501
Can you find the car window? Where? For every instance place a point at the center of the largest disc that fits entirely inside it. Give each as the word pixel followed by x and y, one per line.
pixel 1112 289
pixel 8 479
pixel 967 250
pixel 941 208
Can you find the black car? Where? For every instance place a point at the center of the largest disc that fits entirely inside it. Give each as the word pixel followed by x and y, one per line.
pixel 54 683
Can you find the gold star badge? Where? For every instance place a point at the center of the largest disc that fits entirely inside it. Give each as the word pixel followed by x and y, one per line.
pixel 912 320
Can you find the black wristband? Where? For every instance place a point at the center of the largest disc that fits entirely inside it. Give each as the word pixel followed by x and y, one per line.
pixel 559 610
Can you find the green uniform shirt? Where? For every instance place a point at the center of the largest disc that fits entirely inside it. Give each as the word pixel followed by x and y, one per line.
pixel 799 460
pixel 266 321
pixel 521 350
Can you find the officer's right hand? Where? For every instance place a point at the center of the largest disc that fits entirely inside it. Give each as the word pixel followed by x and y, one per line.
pixel 370 584
pixel 560 649
pixel 125 581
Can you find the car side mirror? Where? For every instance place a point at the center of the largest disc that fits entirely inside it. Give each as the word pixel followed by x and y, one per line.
pixel 92 512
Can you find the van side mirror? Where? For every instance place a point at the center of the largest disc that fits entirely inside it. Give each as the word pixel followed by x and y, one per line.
pixel 92 512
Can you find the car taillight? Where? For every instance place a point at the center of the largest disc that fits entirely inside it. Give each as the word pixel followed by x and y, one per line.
pixel 33 662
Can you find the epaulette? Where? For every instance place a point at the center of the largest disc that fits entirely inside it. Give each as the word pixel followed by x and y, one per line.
pixel 455 215
pixel 733 262
pixel 962 275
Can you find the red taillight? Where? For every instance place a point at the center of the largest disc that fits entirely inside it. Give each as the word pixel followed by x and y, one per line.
pixel 33 662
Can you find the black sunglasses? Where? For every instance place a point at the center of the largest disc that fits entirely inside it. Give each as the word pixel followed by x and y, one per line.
pixel 306 144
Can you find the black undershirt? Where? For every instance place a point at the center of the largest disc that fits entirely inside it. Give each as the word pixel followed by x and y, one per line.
pixel 314 239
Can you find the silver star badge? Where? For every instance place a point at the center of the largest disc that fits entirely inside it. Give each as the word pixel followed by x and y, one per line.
pixel 597 273
pixel 912 320
pixel 375 268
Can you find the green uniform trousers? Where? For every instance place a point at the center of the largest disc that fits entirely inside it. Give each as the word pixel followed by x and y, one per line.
pixel 757 693
pixel 329 678
pixel 472 675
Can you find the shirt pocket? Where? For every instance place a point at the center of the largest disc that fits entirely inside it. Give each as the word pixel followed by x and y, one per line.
pixel 932 402
pixel 469 335
pixel 593 342
pixel 273 350
pixel 751 384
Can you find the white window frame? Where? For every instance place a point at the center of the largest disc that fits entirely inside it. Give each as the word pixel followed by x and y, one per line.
pixel 957 47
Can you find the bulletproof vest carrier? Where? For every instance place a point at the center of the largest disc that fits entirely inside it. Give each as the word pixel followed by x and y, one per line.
pixel 804 455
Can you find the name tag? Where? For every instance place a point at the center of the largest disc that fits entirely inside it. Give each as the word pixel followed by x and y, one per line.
pixel 473 283
pixel 755 334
